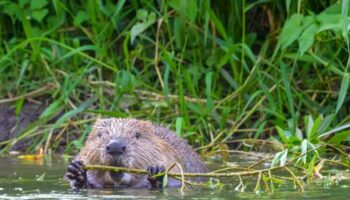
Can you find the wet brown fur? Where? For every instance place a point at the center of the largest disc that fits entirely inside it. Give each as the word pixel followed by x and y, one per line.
pixel 156 146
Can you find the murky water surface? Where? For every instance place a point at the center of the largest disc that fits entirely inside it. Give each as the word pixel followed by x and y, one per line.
pixel 25 180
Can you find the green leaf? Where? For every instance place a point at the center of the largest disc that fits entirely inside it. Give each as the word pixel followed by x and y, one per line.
pixel 186 9
pixel 312 147
pixel 260 130
pixel 165 180
pixel 142 15
pixel 195 108
pixel 311 165
pixel 304 145
pixel 19 106
pixel 23 3
pixel 344 11
pixel 214 183
pixel 140 27
pixel 329 22
pixel 307 38
pixel 340 128
pixel 249 53
pixel 38 4
pixel 217 23
pixel 52 108
pixel 283 157
pixel 291 30
pixel 178 125
pixel 277 180
pixel 282 135
pixel 309 123
pixel 340 137
pixel 108 113
pixel 78 144
pixel 151 18
pixel 41 177
pixel 179 30
pixel 81 17
pixel 276 159
pixel 39 15
pixel 136 30
pixel 208 82
pixel 227 76
pixel 343 91
pixel 316 126
pixel 326 122
pixel 288 91
pixel 298 134
pixel 13 10
pixel 288 6
pixel 24 66
pixel 166 80
pixel 74 112
pixel 229 52
pixel 75 51
pixel 191 9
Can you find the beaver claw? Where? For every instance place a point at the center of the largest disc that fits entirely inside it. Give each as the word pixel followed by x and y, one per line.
pixel 157 181
pixel 77 174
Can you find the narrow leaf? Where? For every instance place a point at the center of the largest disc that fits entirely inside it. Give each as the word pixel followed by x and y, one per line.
pixel 343 90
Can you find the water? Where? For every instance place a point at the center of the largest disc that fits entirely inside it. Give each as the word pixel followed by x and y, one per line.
pixel 18 180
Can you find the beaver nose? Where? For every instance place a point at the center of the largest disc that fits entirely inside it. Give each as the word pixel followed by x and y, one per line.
pixel 115 147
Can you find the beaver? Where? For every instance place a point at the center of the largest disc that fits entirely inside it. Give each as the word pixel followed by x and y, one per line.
pixel 131 143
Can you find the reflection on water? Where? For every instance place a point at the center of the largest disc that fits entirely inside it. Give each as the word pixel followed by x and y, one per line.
pixel 20 180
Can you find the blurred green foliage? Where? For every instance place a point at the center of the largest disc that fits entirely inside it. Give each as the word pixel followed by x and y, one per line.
pixel 213 70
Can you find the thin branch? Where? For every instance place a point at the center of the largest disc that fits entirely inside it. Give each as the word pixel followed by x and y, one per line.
pixel 335 162
pixel 34 93
pixel 300 186
pixel 153 95
pixel 156 58
pixel 210 174
pixel 260 161
pixel 246 153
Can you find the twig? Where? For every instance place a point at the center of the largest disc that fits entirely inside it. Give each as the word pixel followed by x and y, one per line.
pixel 260 161
pixel 34 131
pixel 182 175
pixel 230 168
pixel 30 94
pixel 339 150
pixel 210 174
pixel 335 162
pixel 154 95
pixel 257 186
pixel 156 59
pixel 246 153
pixel 236 126
pixel 295 178
pixel 255 141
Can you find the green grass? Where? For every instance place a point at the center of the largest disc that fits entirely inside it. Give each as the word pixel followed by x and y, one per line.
pixel 212 70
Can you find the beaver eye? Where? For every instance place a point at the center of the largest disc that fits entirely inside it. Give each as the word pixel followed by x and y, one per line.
pixel 137 135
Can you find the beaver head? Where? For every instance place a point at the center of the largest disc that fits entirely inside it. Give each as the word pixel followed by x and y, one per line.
pixel 126 143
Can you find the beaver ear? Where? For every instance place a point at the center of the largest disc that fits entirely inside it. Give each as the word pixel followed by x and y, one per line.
pixel 146 123
pixel 99 123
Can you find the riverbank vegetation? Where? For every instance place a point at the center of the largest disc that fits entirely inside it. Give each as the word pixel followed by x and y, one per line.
pixel 262 75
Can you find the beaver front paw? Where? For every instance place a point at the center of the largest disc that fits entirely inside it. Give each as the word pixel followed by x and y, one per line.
pixel 155 182
pixel 77 174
